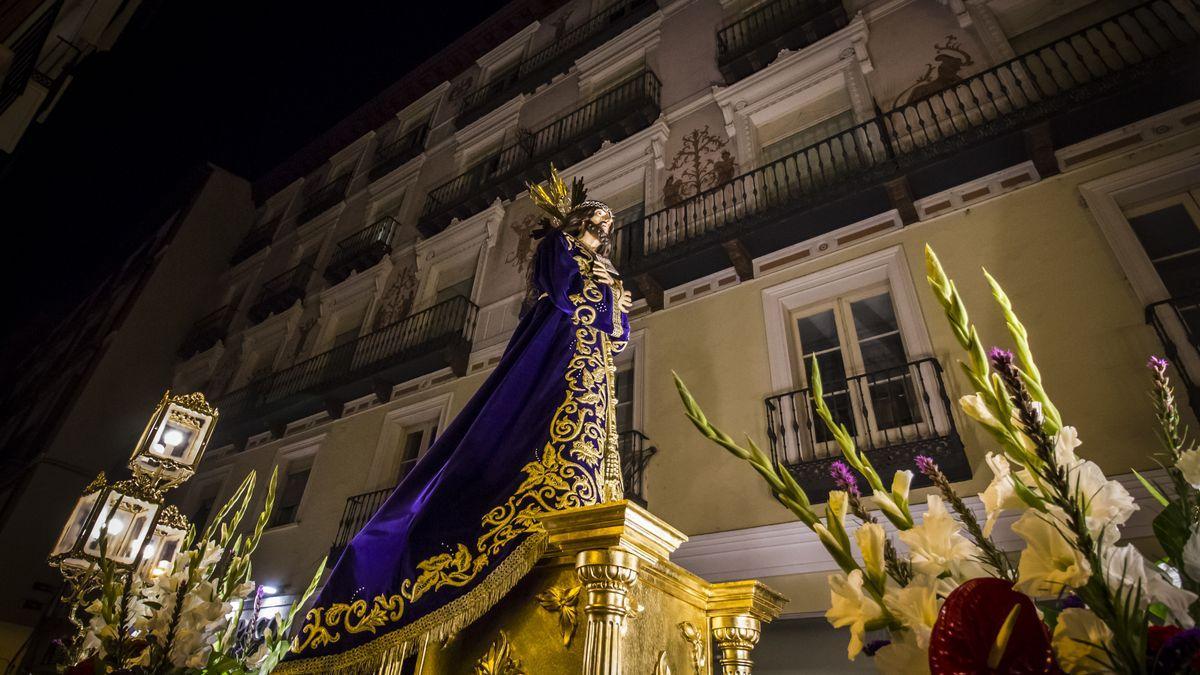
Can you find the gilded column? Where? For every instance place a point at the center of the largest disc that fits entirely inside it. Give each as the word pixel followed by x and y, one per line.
pixel 735 636
pixel 607 576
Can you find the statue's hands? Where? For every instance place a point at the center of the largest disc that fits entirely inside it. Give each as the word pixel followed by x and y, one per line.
pixel 625 301
pixel 601 274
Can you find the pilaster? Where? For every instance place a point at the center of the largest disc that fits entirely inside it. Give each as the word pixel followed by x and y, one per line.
pixel 607 576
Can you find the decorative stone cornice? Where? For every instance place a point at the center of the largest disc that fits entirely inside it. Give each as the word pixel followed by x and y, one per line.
pixel 619 53
pixel 487 130
pixel 480 228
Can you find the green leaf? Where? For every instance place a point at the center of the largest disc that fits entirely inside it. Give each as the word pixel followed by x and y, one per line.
pixel 1152 489
pixel 1171 529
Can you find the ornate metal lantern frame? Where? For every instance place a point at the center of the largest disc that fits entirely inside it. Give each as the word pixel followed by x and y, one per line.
pixel 174 440
pixel 115 520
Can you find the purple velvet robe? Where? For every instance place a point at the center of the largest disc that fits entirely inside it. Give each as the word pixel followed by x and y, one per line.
pixel 461 528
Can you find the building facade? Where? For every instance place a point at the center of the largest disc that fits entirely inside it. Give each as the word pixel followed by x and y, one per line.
pixel 776 169
pixel 42 42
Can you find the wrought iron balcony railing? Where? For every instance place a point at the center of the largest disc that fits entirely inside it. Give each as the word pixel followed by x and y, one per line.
pixel 750 42
pixel 324 198
pixel 421 343
pixel 893 414
pixel 399 151
pixel 256 240
pixel 612 115
pixel 362 249
pixel 281 291
pixel 23 56
pixel 358 511
pixel 554 58
pixel 53 68
pixel 1176 321
pixel 636 452
pixel 1110 61
pixel 207 332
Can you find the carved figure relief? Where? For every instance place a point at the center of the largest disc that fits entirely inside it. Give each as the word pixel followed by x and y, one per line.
pixel 460 88
pixel 523 254
pixel 951 59
pixel 301 340
pixel 398 299
pixel 701 162
pixel 560 24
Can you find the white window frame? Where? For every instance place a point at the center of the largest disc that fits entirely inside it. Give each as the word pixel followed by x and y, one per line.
pixel 301 450
pixel 386 461
pixel 1108 199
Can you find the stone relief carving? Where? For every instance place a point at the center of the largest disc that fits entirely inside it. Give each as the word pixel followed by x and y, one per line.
pixel 522 255
pixel 701 162
pixel 562 601
pixel 398 299
pixel 951 59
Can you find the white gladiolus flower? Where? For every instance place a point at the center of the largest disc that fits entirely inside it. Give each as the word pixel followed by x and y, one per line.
pixel 976 408
pixel 1077 642
pixel 851 608
pixel 903 657
pixel 900 486
pixel 870 539
pixel 1191 556
pixel 916 606
pixel 1189 466
pixel 936 545
pixel 1049 564
pixel 1126 569
pixel 1064 447
pixel 1177 600
pixel 1000 493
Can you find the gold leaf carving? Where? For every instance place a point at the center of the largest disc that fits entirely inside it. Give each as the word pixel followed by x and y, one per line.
pixel 499 659
pixel 562 600
pixel 692 635
pixel 662 668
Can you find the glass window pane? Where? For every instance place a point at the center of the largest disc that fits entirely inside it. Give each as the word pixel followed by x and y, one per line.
pixel 873 316
pixel 1167 231
pixel 1181 274
pixel 883 353
pixel 818 332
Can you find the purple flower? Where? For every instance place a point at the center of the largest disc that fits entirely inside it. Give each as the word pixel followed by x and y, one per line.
pixel 1000 357
pixel 875 645
pixel 843 477
pixel 925 464
pixel 1157 364
pixel 1178 651
pixel 1071 601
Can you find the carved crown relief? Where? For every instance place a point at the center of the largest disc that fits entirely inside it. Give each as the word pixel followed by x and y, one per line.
pixel 398 299
pixel 702 161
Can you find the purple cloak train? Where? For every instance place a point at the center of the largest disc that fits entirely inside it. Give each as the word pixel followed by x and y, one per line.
pixel 461 528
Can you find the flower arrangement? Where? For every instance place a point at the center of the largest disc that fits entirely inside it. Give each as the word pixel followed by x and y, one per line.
pixel 183 617
pixel 1074 600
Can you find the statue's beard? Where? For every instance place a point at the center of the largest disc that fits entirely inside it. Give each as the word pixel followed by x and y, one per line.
pixel 599 233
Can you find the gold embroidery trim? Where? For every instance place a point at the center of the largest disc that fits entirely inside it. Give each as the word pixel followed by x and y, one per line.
pixel 563 476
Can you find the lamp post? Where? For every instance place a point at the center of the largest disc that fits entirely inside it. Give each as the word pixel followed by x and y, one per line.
pixel 125 523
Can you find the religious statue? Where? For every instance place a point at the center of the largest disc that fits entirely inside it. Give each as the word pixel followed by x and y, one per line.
pixel 462 528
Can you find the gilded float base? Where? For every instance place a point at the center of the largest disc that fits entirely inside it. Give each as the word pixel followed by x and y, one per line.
pixel 605 600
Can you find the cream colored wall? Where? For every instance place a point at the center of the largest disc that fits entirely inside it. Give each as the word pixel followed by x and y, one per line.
pixel 1040 242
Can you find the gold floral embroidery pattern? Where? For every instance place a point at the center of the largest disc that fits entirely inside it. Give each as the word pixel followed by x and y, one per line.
pixel 565 475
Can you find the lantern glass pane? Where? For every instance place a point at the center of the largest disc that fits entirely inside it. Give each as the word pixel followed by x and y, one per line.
pixel 128 523
pixel 163 547
pixel 75 524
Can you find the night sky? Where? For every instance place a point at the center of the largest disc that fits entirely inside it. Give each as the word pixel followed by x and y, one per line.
pixel 241 84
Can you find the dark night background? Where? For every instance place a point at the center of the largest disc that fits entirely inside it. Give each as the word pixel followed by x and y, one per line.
pixel 241 84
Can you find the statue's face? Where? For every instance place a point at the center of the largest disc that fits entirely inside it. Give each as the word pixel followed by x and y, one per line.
pixel 602 221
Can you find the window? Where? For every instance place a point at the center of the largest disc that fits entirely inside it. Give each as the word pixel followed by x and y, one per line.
pixel 858 347
pixel 1169 231
pixel 808 136
pixel 415 443
pixel 624 390
pixel 204 505
pixel 456 281
pixel 287 504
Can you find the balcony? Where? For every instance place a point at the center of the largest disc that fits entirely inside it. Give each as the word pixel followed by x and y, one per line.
pixel 1176 321
pixel 256 240
pixel 207 332
pixel 324 198
pixel 893 415
pixel 420 344
pixel 391 156
pixel 636 452
pixel 613 115
pixel 362 249
pixel 359 509
pixel 750 42
pixel 553 59
pixel 1134 65
pixel 281 292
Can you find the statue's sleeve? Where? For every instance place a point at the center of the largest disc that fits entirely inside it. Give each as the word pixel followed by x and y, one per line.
pixel 588 302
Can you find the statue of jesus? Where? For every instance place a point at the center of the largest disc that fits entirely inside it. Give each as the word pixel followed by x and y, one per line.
pixel 462 528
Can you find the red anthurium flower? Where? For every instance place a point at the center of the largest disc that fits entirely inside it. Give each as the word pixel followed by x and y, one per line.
pixel 969 622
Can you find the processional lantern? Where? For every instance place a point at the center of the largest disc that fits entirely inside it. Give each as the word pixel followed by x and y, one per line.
pixel 110 520
pixel 173 442
pixel 165 544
